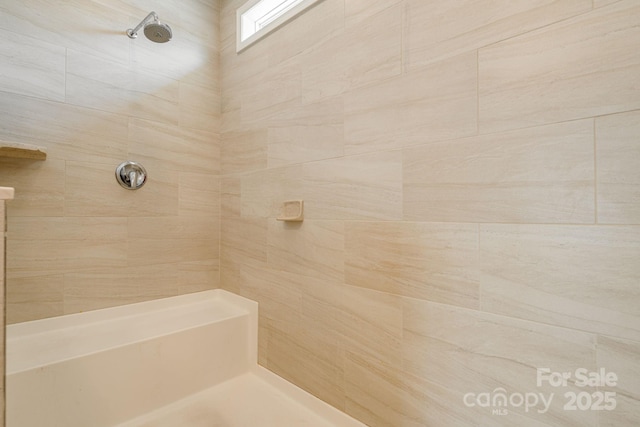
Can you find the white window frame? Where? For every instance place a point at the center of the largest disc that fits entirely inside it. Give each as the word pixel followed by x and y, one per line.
pixel 271 24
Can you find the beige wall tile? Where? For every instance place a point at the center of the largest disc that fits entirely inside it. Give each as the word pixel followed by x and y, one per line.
pixel 310 28
pixel 172 227
pixel 428 104
pixel 92 190
pixel 288 248
pixel 174 148
pixel 200 107
pixel 436 262
pixel 277 89
pixel 243 151
pixel 199 195
pixel 618 177
pixel 153 252
pixel 540 77
pixel 374 47
pixel 197 276
pixel 316 373
pixel 68 132
pixel 621 358
pixel 263 192
pixel 356 11
pixel 39 186
pixel 435 30
pixel 108 86
pixel 543 174
pixel 243 240
pixel 601 3
pixel 578 277
pixel 93 291
pixel 374 392
pixel 71 216
pixel 185 58
pixel 355 187
pixel 311 132
pixel 31 298
pixel 230 203
pixel 472 352
pixel 76 228
pixel 371 323
pixel 31 258
pixel 32 67
pixel 79 27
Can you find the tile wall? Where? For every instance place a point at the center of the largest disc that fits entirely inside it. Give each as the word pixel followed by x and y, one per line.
pixel 470 177
pixel 73 82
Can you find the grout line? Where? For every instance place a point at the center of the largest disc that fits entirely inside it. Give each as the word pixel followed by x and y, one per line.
pixel 595 172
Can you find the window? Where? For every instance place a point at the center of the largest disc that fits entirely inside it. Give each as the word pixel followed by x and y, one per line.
pixel 257 18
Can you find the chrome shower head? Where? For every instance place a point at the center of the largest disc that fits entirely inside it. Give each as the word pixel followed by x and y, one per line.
pixel 155 30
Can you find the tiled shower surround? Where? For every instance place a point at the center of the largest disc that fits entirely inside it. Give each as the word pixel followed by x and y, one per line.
pixel 469 171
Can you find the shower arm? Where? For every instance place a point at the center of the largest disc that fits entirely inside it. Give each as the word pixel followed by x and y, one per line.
pixel 133 32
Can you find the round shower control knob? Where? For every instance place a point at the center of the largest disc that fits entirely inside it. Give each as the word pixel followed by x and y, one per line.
pixel 131 175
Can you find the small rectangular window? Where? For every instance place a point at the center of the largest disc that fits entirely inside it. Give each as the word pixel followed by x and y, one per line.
pixel 257 18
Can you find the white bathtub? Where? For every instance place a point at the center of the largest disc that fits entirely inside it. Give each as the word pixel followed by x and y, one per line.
pixel 148 364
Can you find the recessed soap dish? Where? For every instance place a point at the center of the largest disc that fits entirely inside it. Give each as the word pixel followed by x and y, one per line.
pixel 292 210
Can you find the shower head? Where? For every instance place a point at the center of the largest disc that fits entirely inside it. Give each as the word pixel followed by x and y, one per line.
pixel 154 30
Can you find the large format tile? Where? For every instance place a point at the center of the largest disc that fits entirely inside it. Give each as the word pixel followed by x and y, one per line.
pixel 67 131
pixel 426 104
pixel 618 175
pixel 543 174
pixel 540 77
pixel 32 67
pixel 311 132
pixel 365 186
pixel 577 277
pixel 436 262
pixel 31 298
pixel 97 83
pixel 92 190
pixel 621 358
pixel 435 30
pixel 243 151
pixel 354 187
pixel 40 186
pixel 174 148
pixel 472 352
pixel 313 248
